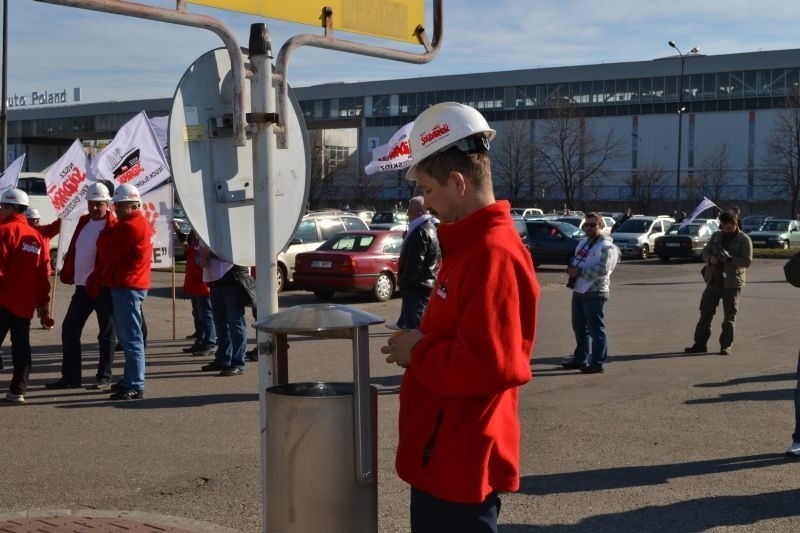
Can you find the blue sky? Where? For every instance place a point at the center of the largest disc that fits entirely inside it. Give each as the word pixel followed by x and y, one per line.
pixel 112 57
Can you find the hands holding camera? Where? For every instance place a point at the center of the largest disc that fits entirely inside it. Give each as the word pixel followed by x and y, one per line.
pixel 720 255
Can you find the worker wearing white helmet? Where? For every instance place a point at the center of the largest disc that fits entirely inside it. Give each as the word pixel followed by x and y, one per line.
pixel 459 431
pixel 79 263
pixel 124 257
pixel 24 286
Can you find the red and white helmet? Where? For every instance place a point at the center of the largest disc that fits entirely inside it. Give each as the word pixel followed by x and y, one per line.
pixel 441 126
pixel 16 197
pixel 126 193
pixel 97 192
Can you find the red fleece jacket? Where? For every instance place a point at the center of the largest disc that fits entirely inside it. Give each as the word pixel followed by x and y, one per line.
pixel 125 252
pixel 459 428
pixel 24 285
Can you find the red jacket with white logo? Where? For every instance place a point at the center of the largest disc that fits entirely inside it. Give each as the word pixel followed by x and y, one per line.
pixel 193 283
pixel 68 270
pixel 125 252
pixel 24 285
pixel 459 427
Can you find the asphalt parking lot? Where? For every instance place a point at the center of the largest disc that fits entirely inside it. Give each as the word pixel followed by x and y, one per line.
pixel 662 441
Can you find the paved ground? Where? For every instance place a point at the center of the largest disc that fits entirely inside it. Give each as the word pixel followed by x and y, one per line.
pixel 661 442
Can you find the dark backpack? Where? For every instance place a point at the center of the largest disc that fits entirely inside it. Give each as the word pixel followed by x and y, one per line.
pixel 792 270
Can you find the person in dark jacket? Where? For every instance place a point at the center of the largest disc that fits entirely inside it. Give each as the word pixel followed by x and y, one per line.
pixel 419 264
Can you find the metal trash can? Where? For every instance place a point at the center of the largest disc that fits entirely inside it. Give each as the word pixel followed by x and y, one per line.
pixel 321 438
pixel 311 460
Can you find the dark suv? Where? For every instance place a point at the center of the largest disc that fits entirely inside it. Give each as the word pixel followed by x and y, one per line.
pixel 552 242
pixel 314 229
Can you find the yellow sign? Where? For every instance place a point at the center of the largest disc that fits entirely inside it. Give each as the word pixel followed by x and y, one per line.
pixel 389 19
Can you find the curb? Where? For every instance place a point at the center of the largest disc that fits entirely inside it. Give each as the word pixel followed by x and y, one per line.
pixel 136 517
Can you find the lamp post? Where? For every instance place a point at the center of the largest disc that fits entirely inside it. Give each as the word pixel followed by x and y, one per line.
pixel 681 109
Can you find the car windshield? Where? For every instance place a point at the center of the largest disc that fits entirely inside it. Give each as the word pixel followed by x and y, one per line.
pixel 688 229
pixel 349 242
pixel 633 225
pixel 569 229
pixel 775 225
pixel 389 218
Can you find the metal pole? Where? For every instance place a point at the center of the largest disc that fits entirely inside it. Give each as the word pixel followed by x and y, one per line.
pixel 680 130
pixel 262 98
pixel 4 106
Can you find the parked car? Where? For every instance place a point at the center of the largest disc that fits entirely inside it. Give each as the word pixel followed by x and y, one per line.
pixel 314 229
pixel 522 229
pixel 637 235
pixel 753 222
pixel 777 233
pixel 179 216
pixel 390 220
pixel 685 240
pixel 578 221
pixel 527 212
pixel 552 242
pixel 360 261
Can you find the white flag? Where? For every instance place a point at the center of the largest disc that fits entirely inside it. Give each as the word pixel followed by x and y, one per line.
pixel 705 204
pixel 157 206
pixel 134 156
pixel 67 181
pixel 8 179
pixel 393 155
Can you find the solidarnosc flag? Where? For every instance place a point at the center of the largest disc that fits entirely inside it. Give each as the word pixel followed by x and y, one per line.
pixel 394 155
pixel 157 208
pixel 67 181
pixel 134 156
pixel 8 179
pixel 705 204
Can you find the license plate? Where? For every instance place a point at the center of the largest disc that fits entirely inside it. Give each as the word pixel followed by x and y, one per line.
pixel 673 244
pixel 320 264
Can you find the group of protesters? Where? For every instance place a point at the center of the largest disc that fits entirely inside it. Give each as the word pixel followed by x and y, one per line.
pixel 108 261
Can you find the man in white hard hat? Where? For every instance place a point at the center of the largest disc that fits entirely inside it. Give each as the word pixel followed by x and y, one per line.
pixel 459 431
pixel 24 286
pixel 124 254
pixel 79 263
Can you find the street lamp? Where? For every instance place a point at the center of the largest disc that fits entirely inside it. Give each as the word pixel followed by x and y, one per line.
pixel 681 109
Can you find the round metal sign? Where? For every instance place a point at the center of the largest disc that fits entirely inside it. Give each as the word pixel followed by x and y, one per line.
pixel 214 177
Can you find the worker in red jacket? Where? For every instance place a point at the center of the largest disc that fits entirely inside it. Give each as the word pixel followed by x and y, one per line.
pixel 79 263
pixel 124 255
pixel 24 286
pixel 459 430
pixel 47 232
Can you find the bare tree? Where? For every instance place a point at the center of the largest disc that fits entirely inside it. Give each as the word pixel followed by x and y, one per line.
pixel 646 185
pixel 570 152
pixel 513 166
pixel 324 170
pixel 714 172
pixel 782 157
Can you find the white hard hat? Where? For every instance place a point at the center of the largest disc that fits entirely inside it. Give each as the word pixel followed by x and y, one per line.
pixel 127 193
pixel 97 192
pixel 32 212
pixel 15 196
pixel 444 125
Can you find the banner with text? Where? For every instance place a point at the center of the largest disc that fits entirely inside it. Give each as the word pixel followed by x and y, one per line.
pixel 67 182
pixel 134 156
pixel 394 155
pixel 157 208
pixel 8 179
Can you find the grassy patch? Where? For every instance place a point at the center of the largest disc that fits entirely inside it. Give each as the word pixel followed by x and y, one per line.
pixel 773 253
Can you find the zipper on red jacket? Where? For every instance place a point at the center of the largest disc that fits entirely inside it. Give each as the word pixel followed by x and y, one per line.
pixel 426 452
